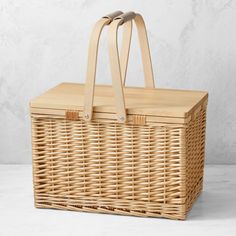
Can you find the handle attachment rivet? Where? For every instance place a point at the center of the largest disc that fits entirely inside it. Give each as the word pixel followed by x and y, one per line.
pixel 86 116
pixel 121 118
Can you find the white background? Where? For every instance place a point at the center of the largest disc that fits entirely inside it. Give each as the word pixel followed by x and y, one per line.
pixel 44 42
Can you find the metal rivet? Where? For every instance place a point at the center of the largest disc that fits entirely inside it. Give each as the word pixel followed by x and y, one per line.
pixel 86 116
pixel 121 118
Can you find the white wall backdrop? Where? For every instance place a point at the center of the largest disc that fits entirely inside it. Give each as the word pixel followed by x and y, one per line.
pixel 44 42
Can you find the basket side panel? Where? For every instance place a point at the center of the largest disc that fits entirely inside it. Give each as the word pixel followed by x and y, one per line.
pixel 108 167
pixel 195 144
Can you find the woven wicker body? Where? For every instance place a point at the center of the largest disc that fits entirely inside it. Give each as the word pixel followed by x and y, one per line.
pixel 115 168
pixel 151 164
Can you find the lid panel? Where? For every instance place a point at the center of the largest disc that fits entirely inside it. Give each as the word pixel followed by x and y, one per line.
pixel 157 102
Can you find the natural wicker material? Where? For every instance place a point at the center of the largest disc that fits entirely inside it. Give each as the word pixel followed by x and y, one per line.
pixel 116 168
pixel 148 164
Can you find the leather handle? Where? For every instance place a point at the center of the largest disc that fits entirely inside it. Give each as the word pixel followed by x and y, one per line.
pixel 113 15
pixel 92 58
pixel 128 16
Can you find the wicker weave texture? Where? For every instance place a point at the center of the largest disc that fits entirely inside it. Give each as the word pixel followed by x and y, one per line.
pixel 116 168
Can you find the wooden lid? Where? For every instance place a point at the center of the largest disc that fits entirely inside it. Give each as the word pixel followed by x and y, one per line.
pixel 153 102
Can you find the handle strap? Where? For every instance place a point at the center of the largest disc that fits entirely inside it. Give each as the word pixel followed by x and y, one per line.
pixel 145 51
pixel 115 62
pixel 144 46
pixel 92 58
pixel 117 66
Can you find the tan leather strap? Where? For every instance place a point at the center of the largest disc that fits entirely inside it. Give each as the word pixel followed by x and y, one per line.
pixel 128 16
pixel 92 58
pixel 113 15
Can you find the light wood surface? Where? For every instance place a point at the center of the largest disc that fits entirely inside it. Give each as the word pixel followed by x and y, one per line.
pixel 93 52
pixel 118 64
pixel 156 102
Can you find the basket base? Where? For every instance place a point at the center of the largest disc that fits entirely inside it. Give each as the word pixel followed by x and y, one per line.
pixel 113 211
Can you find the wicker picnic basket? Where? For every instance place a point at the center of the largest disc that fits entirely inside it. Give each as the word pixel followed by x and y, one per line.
pixel 117 149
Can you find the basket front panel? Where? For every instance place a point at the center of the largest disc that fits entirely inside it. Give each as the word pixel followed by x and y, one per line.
pixel 109 167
